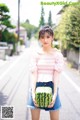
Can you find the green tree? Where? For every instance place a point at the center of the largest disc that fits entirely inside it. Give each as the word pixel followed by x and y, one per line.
pixel 42 21
pixel 27 21
pixel 10 38
pixel 68 30
pixel 50 19
pixel 4 19
pixel 30 29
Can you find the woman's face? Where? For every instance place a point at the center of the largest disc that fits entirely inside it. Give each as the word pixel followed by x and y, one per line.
pixel 46 40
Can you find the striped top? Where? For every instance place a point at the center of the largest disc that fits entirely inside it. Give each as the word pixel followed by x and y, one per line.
pixel 45 64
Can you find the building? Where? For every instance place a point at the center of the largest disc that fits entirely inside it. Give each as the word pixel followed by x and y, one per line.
pixel 23 34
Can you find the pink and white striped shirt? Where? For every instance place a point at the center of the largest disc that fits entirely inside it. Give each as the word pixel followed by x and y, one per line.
pixel 45 64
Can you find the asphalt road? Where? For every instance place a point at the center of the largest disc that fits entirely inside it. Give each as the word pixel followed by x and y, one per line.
pixel 15 83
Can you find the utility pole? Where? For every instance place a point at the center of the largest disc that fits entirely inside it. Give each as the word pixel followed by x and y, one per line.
pixel 18 29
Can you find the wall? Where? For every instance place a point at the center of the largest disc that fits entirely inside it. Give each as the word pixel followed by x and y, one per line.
pixel 73 57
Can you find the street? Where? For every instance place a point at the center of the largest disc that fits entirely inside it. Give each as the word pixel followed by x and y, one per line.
pixel 15 83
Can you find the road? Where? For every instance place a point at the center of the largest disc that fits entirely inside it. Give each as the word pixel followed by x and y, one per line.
pixel 15 83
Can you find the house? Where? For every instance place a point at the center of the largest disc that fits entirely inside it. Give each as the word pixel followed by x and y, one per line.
pixel 23 34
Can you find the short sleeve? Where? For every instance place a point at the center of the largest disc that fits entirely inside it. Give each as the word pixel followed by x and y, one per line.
pixel 33 62
pixel 59 62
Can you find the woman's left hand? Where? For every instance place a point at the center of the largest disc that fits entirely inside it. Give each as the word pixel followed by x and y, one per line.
pixel 53 102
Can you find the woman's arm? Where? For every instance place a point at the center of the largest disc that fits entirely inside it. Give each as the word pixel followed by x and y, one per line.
pixel 34 80
pixel 58 67
pixel 55 81
pixel 33 72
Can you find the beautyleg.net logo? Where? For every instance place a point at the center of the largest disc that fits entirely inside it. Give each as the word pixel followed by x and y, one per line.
pixel 60 3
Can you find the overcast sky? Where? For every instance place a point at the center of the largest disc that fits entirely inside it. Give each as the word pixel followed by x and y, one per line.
pixel 31 9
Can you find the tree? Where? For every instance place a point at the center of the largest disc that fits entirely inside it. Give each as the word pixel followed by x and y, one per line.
pixel 4 19
pixel 30 29
pixel 68 30
pixel 27 21
pixel 42 21
pixel 50 19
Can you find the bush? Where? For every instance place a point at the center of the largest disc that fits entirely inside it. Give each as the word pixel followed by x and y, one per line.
pixel 21 42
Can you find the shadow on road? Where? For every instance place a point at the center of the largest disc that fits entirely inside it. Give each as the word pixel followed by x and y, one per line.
pixel 3 99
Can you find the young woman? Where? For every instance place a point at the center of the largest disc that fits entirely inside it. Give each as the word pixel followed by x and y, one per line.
pixel 46 66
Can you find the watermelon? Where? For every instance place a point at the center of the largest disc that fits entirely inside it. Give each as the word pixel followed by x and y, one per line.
pixel 43 96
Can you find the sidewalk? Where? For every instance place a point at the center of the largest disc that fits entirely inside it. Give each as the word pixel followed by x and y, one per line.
pixel 73 73
pixel 13 85
pixel 9 59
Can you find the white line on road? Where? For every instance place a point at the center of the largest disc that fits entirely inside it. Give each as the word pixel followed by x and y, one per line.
pixel 71 81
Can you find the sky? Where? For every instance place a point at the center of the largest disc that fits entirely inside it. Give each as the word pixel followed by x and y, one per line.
pixel 31 9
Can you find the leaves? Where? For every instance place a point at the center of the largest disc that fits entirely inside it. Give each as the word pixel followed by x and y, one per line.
pixel 3 8
pixel 50 19
pixel 42 21
pixel 4 17
pixel 68 30
pixel 30 29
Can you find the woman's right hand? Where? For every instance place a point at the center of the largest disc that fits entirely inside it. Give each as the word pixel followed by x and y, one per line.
pixel 33 97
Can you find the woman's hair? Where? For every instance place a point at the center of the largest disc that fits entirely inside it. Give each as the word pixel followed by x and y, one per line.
pixel 47 29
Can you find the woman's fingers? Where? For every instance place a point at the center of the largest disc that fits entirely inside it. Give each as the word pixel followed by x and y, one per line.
pixel 53 101
pixel 51 104
pixel 35 103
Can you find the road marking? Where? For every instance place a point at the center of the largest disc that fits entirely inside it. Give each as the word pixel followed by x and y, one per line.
pixel 71 81
pixel 13 64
